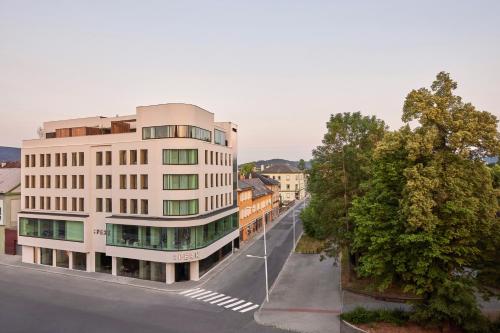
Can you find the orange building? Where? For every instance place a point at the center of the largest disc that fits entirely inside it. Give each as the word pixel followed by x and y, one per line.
pixel 255 201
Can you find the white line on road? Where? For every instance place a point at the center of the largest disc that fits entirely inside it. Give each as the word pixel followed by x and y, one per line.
pixel 226 302
pixel 242 306
pixel 234 304
pixel 215 297
pixel 188 291
pixel 195 292
pixel 250 308
pixel 220 300
pixel 206 296
pixel 200 294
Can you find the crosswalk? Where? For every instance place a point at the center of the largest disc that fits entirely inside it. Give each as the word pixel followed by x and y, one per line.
pixel 218 299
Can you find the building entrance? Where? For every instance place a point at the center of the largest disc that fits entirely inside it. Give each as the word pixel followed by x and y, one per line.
pixel 182 271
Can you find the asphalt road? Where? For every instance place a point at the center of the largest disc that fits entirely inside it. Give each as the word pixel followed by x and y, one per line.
pixel 36 301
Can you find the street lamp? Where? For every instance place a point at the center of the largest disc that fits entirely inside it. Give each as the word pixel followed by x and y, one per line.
pixel 265 262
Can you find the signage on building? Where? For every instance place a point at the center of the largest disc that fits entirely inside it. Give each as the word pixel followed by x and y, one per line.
pixel 186 256
pixel 101 232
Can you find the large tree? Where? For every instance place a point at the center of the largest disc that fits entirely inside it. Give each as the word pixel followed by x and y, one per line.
pixel 339 165
pixel 430 203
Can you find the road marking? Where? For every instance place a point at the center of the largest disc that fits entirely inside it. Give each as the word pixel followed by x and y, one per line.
pixel 242 306
pixel 250 308
pixel 234 304
pixel 196 292
pixel 226 302
pixel 209 295
pixel 215 297
pixel 188 291
pixel 200 294
pixel 220 300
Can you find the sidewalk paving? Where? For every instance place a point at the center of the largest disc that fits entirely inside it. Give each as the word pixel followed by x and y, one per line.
pixel 305 298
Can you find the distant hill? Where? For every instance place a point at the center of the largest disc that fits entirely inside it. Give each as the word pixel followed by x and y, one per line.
pixel 275 161
pixel 10 154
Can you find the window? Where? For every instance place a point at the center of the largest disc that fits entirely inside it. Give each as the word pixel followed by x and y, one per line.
pixel 58 181
pixel 98 205
pixel 98 158
pixel 144 156
pixel 133 157
pixel 108 182
pixel 33 160
pixel 79 261
pixel 42 203
pixel 42 160
pixel 48 202
pixel 180 182
pixel 211 180
pixel 123 157
pixel 98 181
pixel 176 131
pixel 133 182
pixel 43 228
pixel 123 206
pixel 32 203
pixel 211 157
pixel 206 156
pixel 26 161
pixel 108 158
pixel 48 161
pixel 206 203
pixel 81 181
pixel 74 161
pixel 47 181
pixel 144 182
pixel 123 182
pixel 74 204
pixel 42 181
pixel 33 182
pixel 220 138
pixel 180 156
pixel 206 180
pixel 216 158
pixel 64 203
pixel 133 206
pixel 27 181
pixel 74 181
pixel 81 158
pixel 144 206
pixel 64 159
pixel 58 159
pixel 58 203
pixel 64 181
pixel 109 205
pixel 180 207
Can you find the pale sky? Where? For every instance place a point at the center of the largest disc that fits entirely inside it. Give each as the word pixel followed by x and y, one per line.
pixel 276 68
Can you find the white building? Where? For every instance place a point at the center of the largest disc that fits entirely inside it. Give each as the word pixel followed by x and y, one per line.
pixel 292 180
pixel 151 195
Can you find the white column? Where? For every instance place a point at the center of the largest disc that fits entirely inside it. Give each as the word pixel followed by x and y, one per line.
pixel 194 270
pixel 170 270
pixel 70 264
pixel 38 254
pixel 28 254
pixel 113 265
pixel 91 262
pixel 54 258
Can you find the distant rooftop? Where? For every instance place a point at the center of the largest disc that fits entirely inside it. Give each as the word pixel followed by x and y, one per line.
pixel 264 179
pixel 281 168
pixel 258 187
pixel 10 178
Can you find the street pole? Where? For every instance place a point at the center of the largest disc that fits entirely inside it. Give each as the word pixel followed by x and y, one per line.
pixel 265 263
pixel 293 213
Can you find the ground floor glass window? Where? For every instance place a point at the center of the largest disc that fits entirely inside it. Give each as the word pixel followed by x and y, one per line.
pixel 80 261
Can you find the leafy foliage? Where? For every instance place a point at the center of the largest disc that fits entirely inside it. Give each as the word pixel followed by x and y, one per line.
pixel 247 168
pixel 361 315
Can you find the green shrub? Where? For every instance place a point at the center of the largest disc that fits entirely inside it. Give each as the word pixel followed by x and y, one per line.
pixel 363 316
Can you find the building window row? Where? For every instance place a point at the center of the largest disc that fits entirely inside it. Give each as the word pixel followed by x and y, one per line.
pixel 133 182
pixel 104 205
pixel 170 239
pixel 180 207
pixel 61 181
pixel 180 182
pixel 217 158
pixel 176 131
pixel 217 179
pixel 60 203
pixel 61 159
pixel 131 206
pixel 103 158
pixel 51 229
pixel 218 201
pixel 131 157
pixel 180 156
pixel 103 181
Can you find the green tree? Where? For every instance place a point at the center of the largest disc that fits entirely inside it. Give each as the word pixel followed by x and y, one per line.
pixel 339 165
pixel 430 203
pixel 301 165
pixel 247 168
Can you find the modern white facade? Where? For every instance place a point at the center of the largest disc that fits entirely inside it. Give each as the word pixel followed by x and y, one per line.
pixel 150 196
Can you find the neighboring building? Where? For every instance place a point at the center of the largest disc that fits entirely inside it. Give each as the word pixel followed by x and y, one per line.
pixel 150 196
pixel 255 202
pixel 10 199
pixel 292 180
pixel 274 186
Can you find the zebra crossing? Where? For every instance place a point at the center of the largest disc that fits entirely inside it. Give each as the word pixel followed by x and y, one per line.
pixel 218 299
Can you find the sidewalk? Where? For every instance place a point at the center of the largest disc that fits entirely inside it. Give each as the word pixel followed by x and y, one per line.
pixel 15 261
pixel 305 298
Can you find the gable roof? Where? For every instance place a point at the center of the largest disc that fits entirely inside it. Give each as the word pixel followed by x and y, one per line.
pixel 9 179
pixel 281 168
pixel 264 179
pixel 258 187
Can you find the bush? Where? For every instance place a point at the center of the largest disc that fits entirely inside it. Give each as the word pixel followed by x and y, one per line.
pixel 363 316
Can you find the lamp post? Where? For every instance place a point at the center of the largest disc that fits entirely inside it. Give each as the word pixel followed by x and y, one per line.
pixel 265 262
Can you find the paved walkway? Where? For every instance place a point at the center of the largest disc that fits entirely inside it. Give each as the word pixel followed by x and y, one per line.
pixel 305 298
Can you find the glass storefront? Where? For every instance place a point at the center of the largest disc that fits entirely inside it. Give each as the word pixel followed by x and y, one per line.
pixel 46 256
pixel 62 258
pixel 103 263
pixel 80 261
pixel 51 229
pixel 141 269
pixel 170 239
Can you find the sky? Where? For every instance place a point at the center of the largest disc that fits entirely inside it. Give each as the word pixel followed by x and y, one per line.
pixel 278 69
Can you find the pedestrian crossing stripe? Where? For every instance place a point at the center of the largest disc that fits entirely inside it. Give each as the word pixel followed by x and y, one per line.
pixel 227 302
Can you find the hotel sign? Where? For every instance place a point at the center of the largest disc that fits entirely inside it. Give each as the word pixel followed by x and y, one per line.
pixel 186 256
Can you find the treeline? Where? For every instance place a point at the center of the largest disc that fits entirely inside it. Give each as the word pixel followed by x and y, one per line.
pixel 416 207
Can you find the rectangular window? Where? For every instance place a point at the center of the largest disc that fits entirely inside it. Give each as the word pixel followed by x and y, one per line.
pixel 42 203
pixel 81 159
pixel 58 181
pixel 64 181
pixel 180 207
pixel 33 181
pixel 42 181
pixel 98 182
pixel 109 205
pixel 109 182
pixel 98 158
pixel 48 181
pixel 98 205
pixel 64 203
pixel 144 156
pixel 27 202
pixel 206 156
pixel 81 181
pixel 64 159
pixel 123 182
pixel 220 137
pixel 180 156
pixel 144 182
pixel 108 158
pixel 74 159
pixel 51 229
pixel 176 131
pixel 123 157
pixel 211 157
pixel 206 180
pixel 123 206
pixel 48 161
pixel 32 203
pixel 81 204
pixel 27 181
pixel 58 159
pixel 133 182
pixel 33 160
pixel 180 182
pixel 144 206
pixel 74 204
pixel 133 157
pixel 26 161
pixel 133 206
pixel 74 181
pixel 206 204
pixel 48 203
pixel 42 160
pixel 216 158
pixel 58 203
